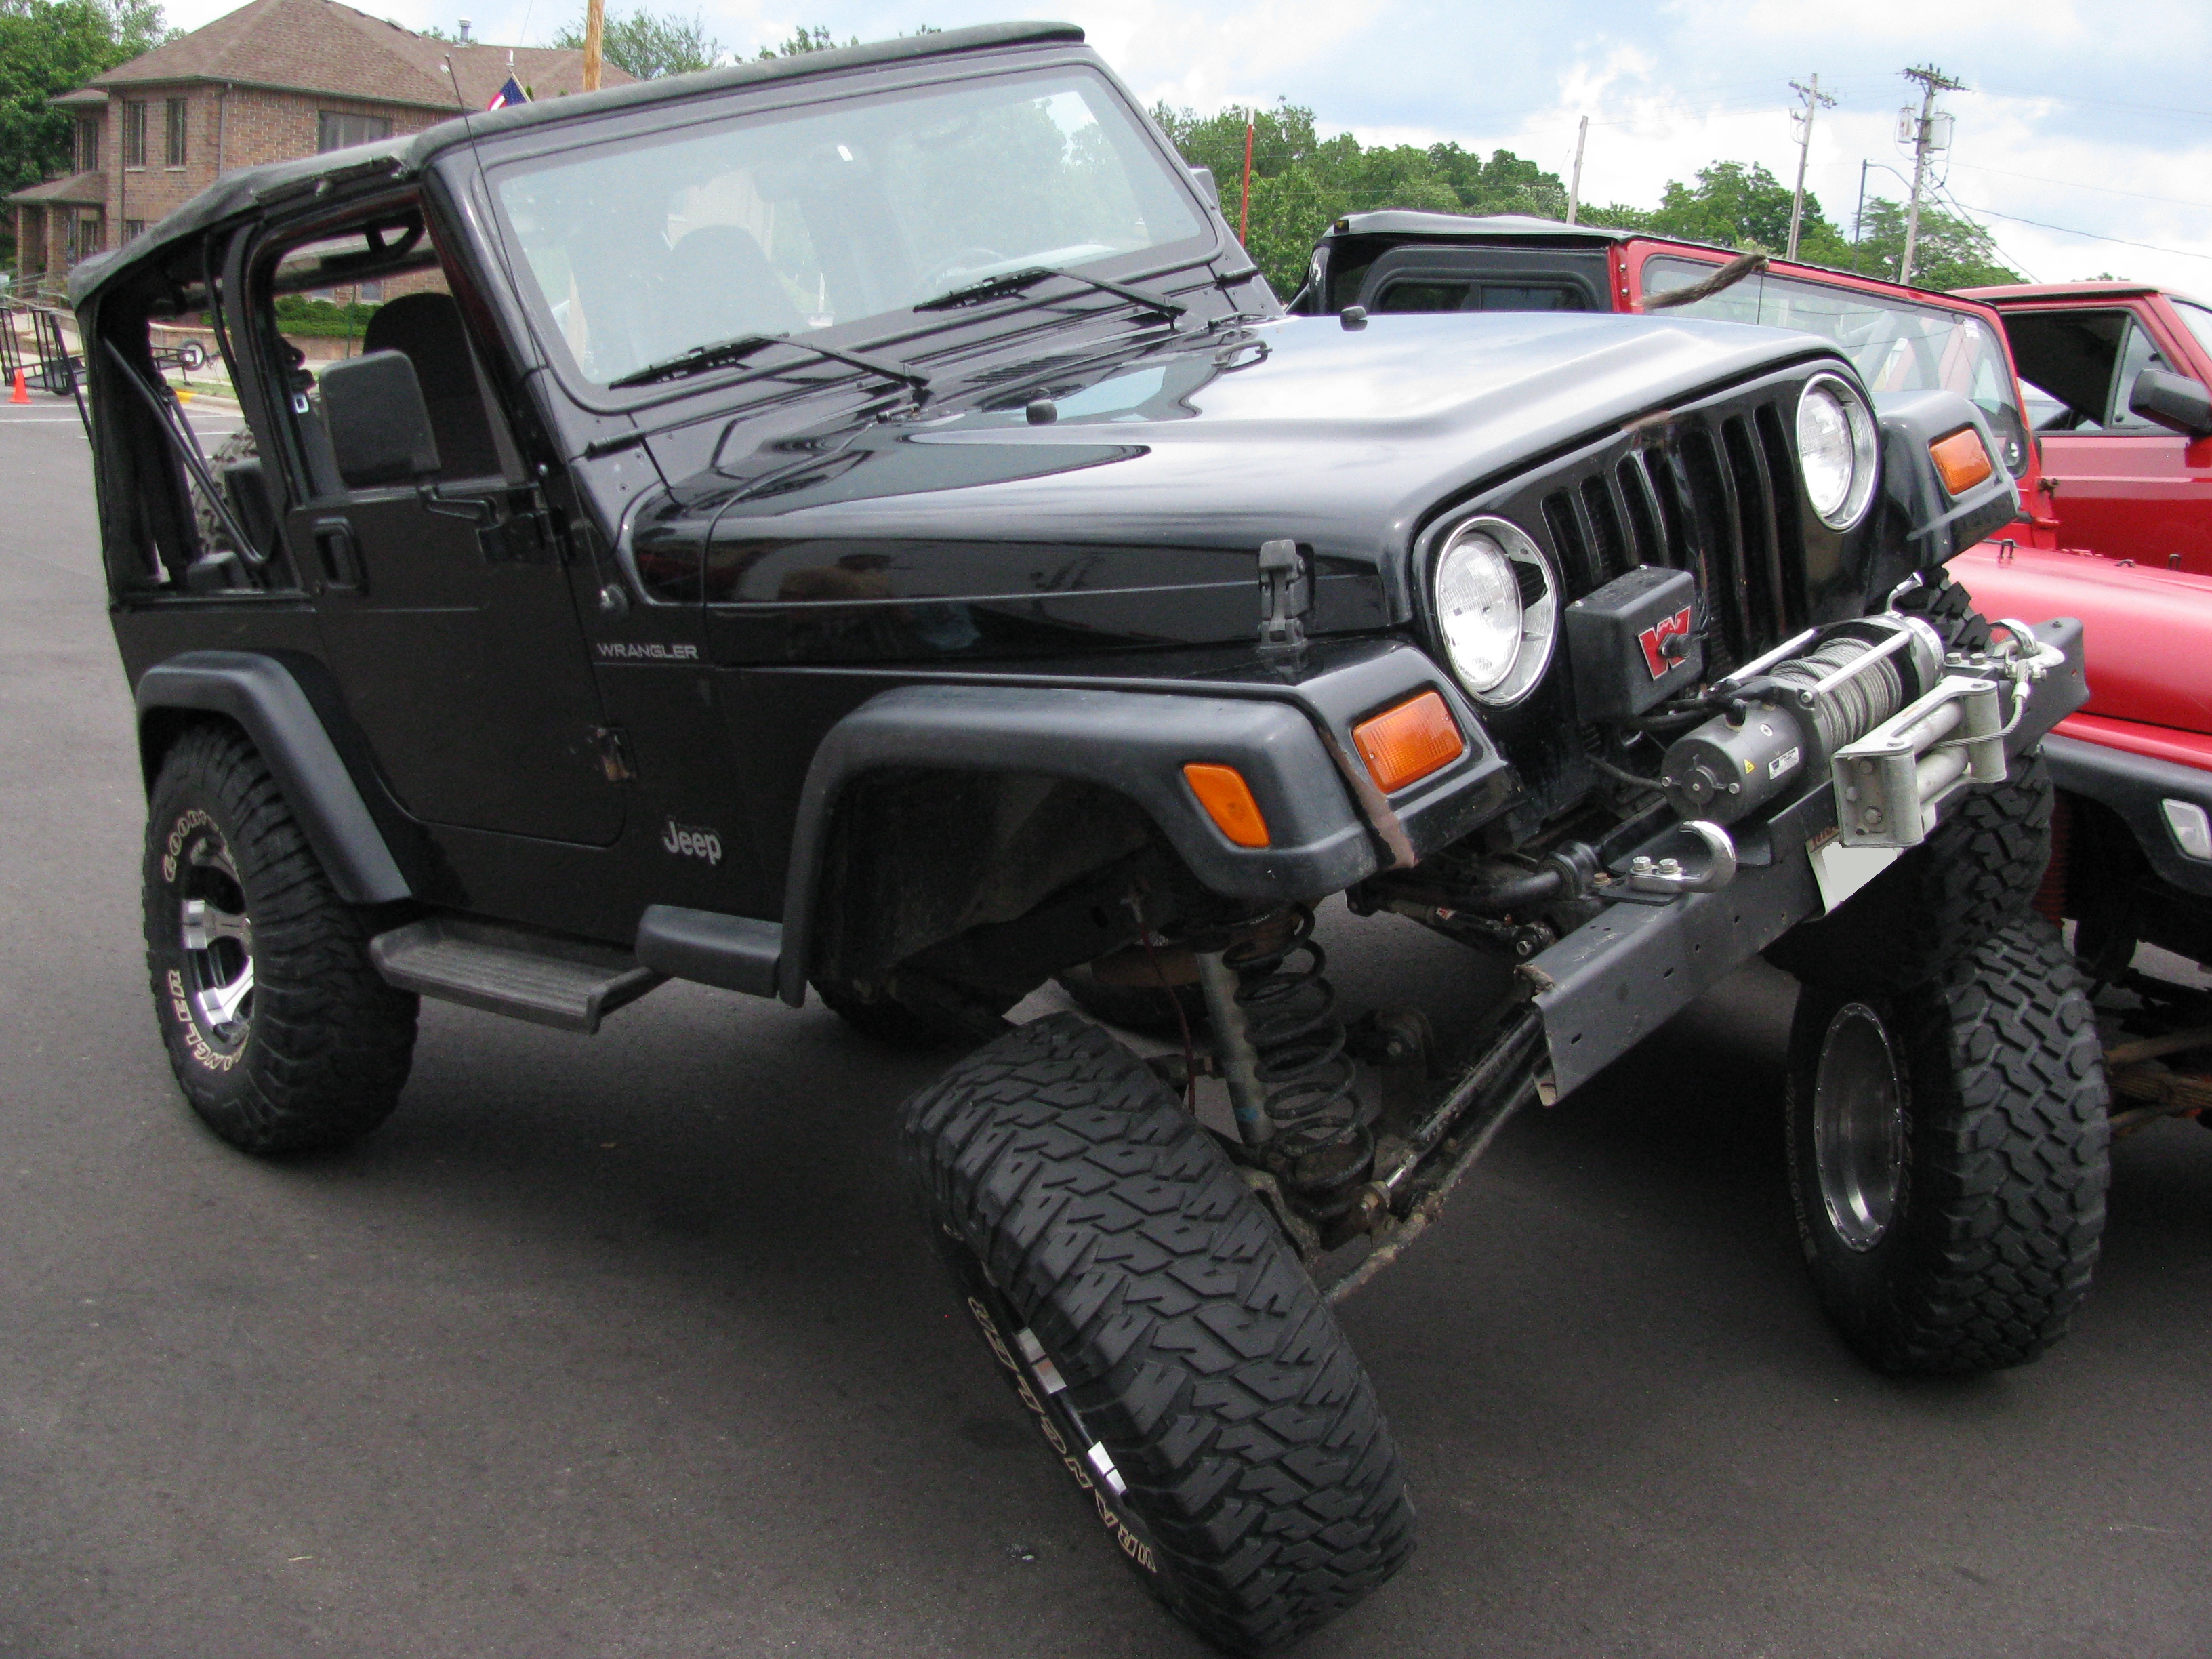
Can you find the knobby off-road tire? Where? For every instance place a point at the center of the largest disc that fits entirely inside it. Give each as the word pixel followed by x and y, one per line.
pixel 1151 1318
pixel 282 1034
pixel 1976 875
pixel 1953 1225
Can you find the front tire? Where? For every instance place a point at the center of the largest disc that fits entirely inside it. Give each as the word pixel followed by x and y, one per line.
pixel 1949 1156
pixel 281 1033
pixel 1976 874
pixel 1153 1320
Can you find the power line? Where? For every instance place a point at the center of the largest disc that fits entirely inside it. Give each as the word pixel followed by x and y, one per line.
pixel 2103 103
pixel 2095 236
pixel 2037 179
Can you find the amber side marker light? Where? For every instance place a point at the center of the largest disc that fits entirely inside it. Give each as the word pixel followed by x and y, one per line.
pixel 1404 745
pixel 1227 798
pixel 1962 459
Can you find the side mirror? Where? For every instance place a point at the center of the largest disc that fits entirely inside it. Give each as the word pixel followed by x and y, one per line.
pixel 379 426
pixel 2174 401
pixel 1206 187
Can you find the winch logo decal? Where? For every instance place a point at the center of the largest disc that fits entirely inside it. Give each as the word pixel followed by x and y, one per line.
pixel 1654 641
pixel 687 842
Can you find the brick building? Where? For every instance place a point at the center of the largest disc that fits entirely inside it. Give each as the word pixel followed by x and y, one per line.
pixel 274 79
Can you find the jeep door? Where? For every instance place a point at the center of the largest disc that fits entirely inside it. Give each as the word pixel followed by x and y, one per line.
pixel 2119 485
pixel 444 605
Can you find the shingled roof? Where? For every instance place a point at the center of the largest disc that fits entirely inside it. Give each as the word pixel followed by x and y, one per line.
pixel 318 45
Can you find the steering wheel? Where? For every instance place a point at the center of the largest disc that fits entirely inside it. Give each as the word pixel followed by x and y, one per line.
pixel 968 258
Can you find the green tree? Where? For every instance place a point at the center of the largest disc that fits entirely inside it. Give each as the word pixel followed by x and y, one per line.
pixel 1952 250
pixel 48 47
pixel 1733 205
pixel 649 45
pixel 803 40
pixel 1302 181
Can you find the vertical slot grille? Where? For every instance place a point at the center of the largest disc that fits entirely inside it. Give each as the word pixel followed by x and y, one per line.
pixel 1609 544
pixel 1646 544
pixel 1719 531
pixel 1715 495
pixel 1789 533
pixel 1762 553
pixel 1578 567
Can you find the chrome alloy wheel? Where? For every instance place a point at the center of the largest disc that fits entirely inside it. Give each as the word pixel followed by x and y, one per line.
pixel 1858 1126
pixel 217 936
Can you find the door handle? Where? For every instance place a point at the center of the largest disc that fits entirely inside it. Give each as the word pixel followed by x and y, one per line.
pixel 335 553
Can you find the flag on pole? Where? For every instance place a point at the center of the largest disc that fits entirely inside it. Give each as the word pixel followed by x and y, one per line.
pixel 509 94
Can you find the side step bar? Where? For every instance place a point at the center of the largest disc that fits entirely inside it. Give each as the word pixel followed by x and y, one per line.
pixel 563 983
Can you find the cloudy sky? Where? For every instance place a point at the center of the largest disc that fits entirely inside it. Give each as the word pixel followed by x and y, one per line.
pixel 2084 116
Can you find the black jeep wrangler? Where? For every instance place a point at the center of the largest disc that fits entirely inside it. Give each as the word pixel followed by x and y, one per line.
pixel 862 521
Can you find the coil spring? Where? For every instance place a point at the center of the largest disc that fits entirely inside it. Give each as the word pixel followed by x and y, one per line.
pixel 1321 1136
pixel 1859 704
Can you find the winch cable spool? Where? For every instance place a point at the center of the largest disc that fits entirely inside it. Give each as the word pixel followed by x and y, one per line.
pixel 1857 705
pixel 1788 720
pixel 1317 1139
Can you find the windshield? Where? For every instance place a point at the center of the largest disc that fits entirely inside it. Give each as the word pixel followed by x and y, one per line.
pixel 1895 344
pixel 826 217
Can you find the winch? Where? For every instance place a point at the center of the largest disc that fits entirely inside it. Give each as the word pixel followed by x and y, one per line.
pixel 1901 723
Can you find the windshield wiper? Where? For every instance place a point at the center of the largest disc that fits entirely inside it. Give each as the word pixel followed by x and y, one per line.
pixel 1013 282
pixel 701 358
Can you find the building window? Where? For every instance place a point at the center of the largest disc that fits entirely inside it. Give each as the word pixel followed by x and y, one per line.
pixel 174 155
pixel 88 237
pixel 134 135
pixel 88 144
pixel 337 132
pixel 132 230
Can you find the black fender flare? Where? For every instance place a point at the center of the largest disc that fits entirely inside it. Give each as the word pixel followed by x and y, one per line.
pixel 264 699
pixel 2135 787
pixel 1134 743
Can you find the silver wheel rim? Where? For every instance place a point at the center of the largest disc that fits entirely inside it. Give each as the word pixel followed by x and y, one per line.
pixel 1858 1126
pixel 217 937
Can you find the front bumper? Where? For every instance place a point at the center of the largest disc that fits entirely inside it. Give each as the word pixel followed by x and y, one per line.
pixel 1618 978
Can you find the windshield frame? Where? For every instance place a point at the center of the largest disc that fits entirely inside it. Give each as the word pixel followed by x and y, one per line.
pixel 1873 297
pixel 883 333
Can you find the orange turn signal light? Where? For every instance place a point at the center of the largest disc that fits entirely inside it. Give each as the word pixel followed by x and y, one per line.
pixel 1227 798
pixel 1962 459
pixel 1404 745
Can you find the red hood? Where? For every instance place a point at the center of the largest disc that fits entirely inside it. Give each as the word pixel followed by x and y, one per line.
pixel 2146 632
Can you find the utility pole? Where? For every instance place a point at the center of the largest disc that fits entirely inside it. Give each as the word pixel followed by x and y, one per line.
pixel 1815 101
pixel 595 32
pixel 1858 218
pixel 1575 190
pixel 1923 131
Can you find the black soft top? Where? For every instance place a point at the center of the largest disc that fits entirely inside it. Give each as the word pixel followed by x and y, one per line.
pixel 235 194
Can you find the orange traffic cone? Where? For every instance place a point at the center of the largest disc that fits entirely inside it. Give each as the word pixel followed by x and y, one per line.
pixel 21 394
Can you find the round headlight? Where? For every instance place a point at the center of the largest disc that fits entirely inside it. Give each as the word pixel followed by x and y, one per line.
pixel 1836 451
pixel 1496 609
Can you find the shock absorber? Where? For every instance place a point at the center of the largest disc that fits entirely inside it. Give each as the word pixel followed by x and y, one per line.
pixel 1282 1043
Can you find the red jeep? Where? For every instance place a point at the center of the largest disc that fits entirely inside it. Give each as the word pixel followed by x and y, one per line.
pixel 2126 462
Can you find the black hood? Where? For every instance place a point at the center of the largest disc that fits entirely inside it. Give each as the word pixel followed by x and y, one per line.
pixel 1167 471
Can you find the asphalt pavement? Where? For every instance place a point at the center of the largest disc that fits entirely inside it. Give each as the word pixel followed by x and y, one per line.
pixel 630 1345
